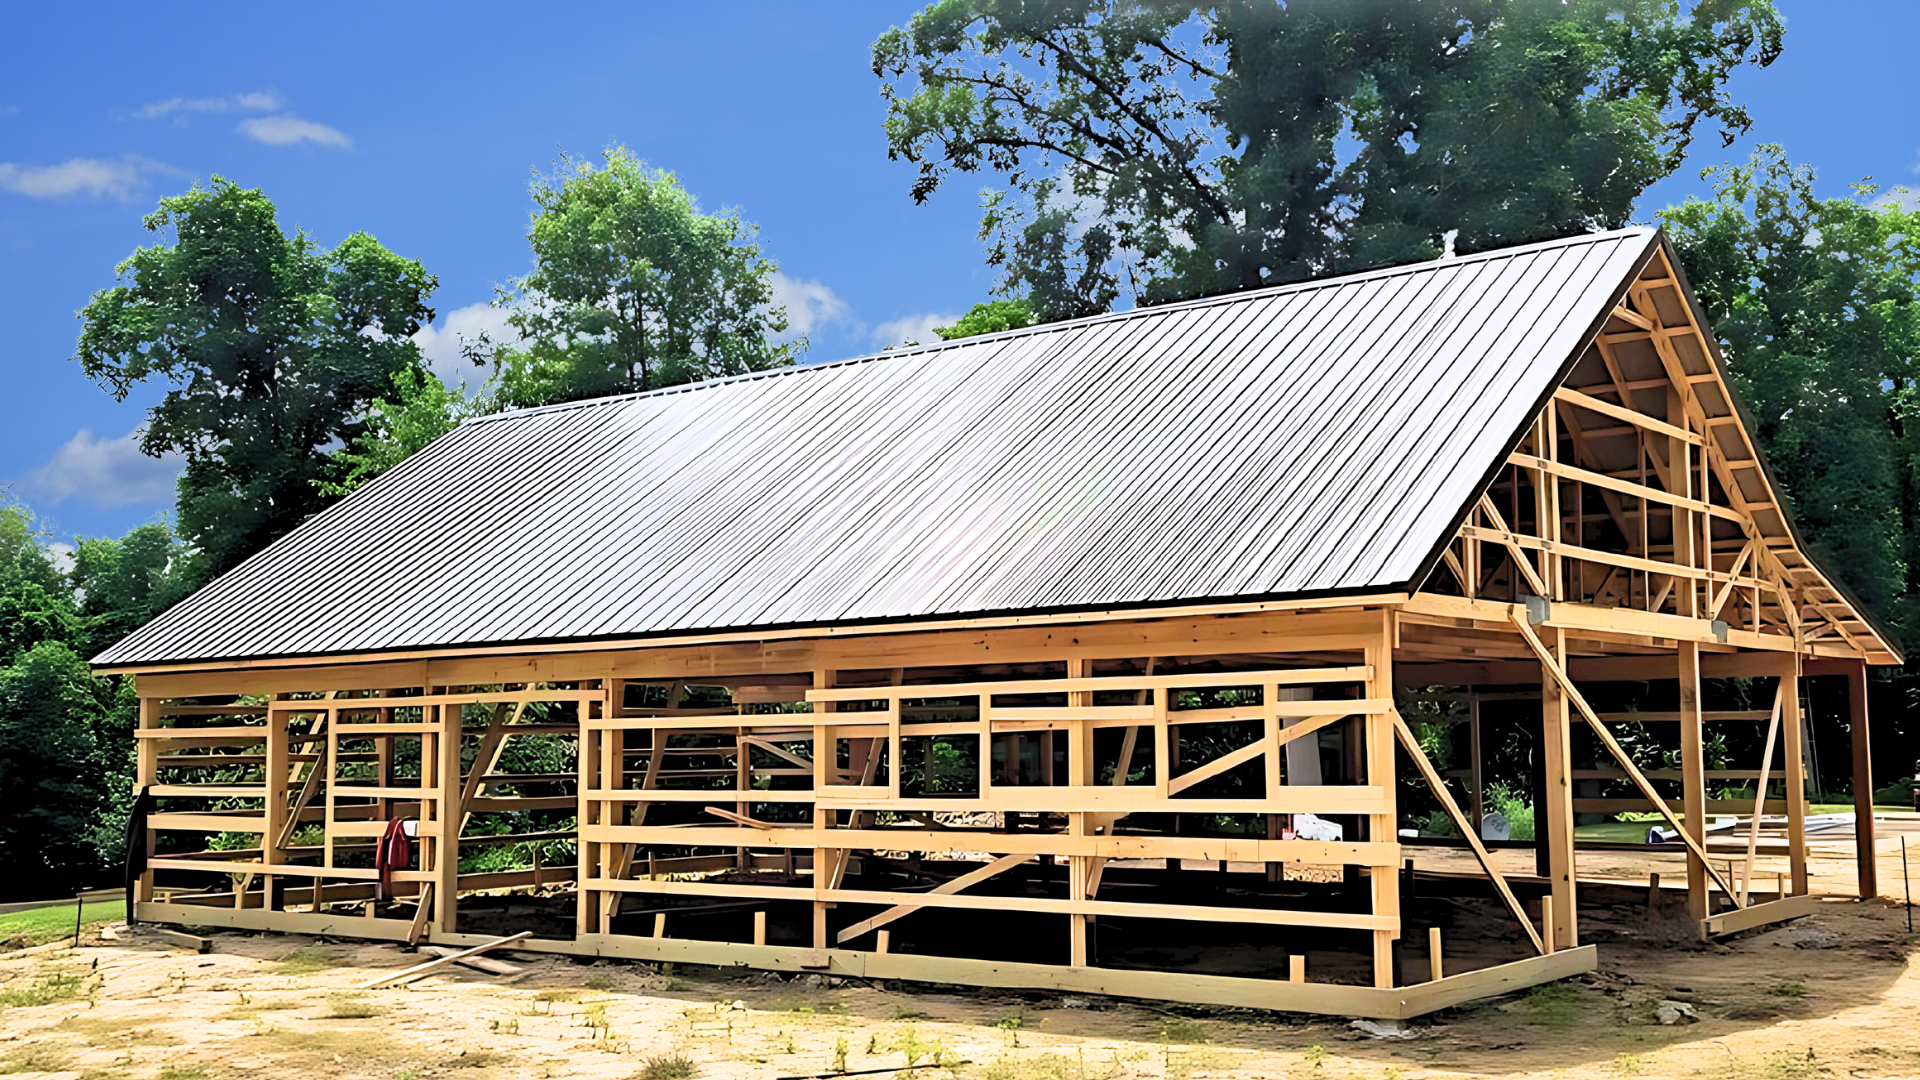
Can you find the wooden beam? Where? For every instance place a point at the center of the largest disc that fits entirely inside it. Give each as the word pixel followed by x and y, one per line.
pixel 419 971
pixel 1760 797
pixel 1613 747
pixel 1693 782
pixel 1412 746
pixel 1631 416
pixel 998 866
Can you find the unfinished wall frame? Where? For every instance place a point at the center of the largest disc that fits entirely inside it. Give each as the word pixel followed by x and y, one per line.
pixel 1026 799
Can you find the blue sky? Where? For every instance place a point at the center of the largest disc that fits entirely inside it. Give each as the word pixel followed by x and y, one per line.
pixel 423 123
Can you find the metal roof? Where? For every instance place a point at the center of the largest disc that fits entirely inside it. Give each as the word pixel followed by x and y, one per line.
pixel 1311 439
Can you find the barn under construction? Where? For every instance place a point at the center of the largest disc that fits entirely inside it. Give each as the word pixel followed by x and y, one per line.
pixel 1101 656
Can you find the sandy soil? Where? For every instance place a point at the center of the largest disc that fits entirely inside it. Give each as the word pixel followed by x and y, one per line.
pixel 1832 995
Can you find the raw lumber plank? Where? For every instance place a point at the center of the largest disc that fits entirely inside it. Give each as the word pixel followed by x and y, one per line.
pixel 180 937
pixel 419 970
pixel 1761 914
pixel 478 963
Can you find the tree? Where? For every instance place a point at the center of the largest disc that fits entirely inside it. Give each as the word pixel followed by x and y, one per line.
pixel 1178 150
pixel 274 346
pixel 51 710
pixel 1817 305
pixel 122 584
pixel 421 410
pixel 633 288
pixel 35 606
pixel 990 317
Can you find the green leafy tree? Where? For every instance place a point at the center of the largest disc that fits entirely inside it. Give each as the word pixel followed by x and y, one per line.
pixel 1175 150
pixel 1817 305
pixel 274 347
pixel 422 409
pixel 122 584
pixel 990 317
pixel 53 773
pixel 633 288
pixel 35 605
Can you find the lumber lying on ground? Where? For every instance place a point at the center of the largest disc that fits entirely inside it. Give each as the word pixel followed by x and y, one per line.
pixel 478 963
pixel 419 970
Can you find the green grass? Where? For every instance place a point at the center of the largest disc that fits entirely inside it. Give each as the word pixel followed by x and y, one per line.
pixel 20 929
pixel 27 992
pixel 306 960
pixel 666 1067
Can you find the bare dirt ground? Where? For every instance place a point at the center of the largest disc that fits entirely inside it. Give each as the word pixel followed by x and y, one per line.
pixel 1833 995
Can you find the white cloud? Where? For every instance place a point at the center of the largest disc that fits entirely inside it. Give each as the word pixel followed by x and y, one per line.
pixel 92 177
pixel 810 304
pixel 439 340
pixel 62 555
pixel 258 101
pixel 1900 198
pixel 286 129
pixel 104 472
pixel 917 329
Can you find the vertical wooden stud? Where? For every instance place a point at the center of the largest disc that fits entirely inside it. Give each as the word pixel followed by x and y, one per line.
pixel 1382 827
pixel 1693 777
pixel 1865 858
pixel 1792 728
pixel 1557 790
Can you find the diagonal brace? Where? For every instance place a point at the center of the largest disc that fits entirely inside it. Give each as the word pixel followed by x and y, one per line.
pixel 1619 753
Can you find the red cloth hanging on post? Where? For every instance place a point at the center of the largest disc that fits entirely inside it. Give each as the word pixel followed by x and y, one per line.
pixel 394 852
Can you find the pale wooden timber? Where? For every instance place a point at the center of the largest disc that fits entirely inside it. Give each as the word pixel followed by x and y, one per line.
pixel 419 971
pixel 1761 914
pixel 1439 786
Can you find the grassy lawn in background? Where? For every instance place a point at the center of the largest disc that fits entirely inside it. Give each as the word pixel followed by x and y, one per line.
pixel 20 929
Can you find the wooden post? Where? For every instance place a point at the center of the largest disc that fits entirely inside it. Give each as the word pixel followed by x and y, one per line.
pixel 1693 775
pixel 146 773
pixel 1080 775
pixel 1383 827
pixel 587 866
pixel 1796 754
pixel 825 758
pixel 659 924
pixel 1865 857
pixel 446 866
pixel 1477 793
pixel 1297 968
pixel 1557 791
pixel 760 928
pixel 1546 925
pixel 1435 966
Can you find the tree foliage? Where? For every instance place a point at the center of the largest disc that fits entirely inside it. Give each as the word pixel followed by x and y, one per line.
pixel 66 737
pixel 274 347
pixel 1817 304
pixel 420 409
pixel 1175 150
pixel 990 317
pixel 633 288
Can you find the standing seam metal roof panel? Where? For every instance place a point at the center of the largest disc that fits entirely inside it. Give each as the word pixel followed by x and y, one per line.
pixel 1310 439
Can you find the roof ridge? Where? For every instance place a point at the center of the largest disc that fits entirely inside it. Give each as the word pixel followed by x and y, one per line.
pixel 1069 324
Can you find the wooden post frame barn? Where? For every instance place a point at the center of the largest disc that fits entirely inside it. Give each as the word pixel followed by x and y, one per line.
pixel 1076 658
